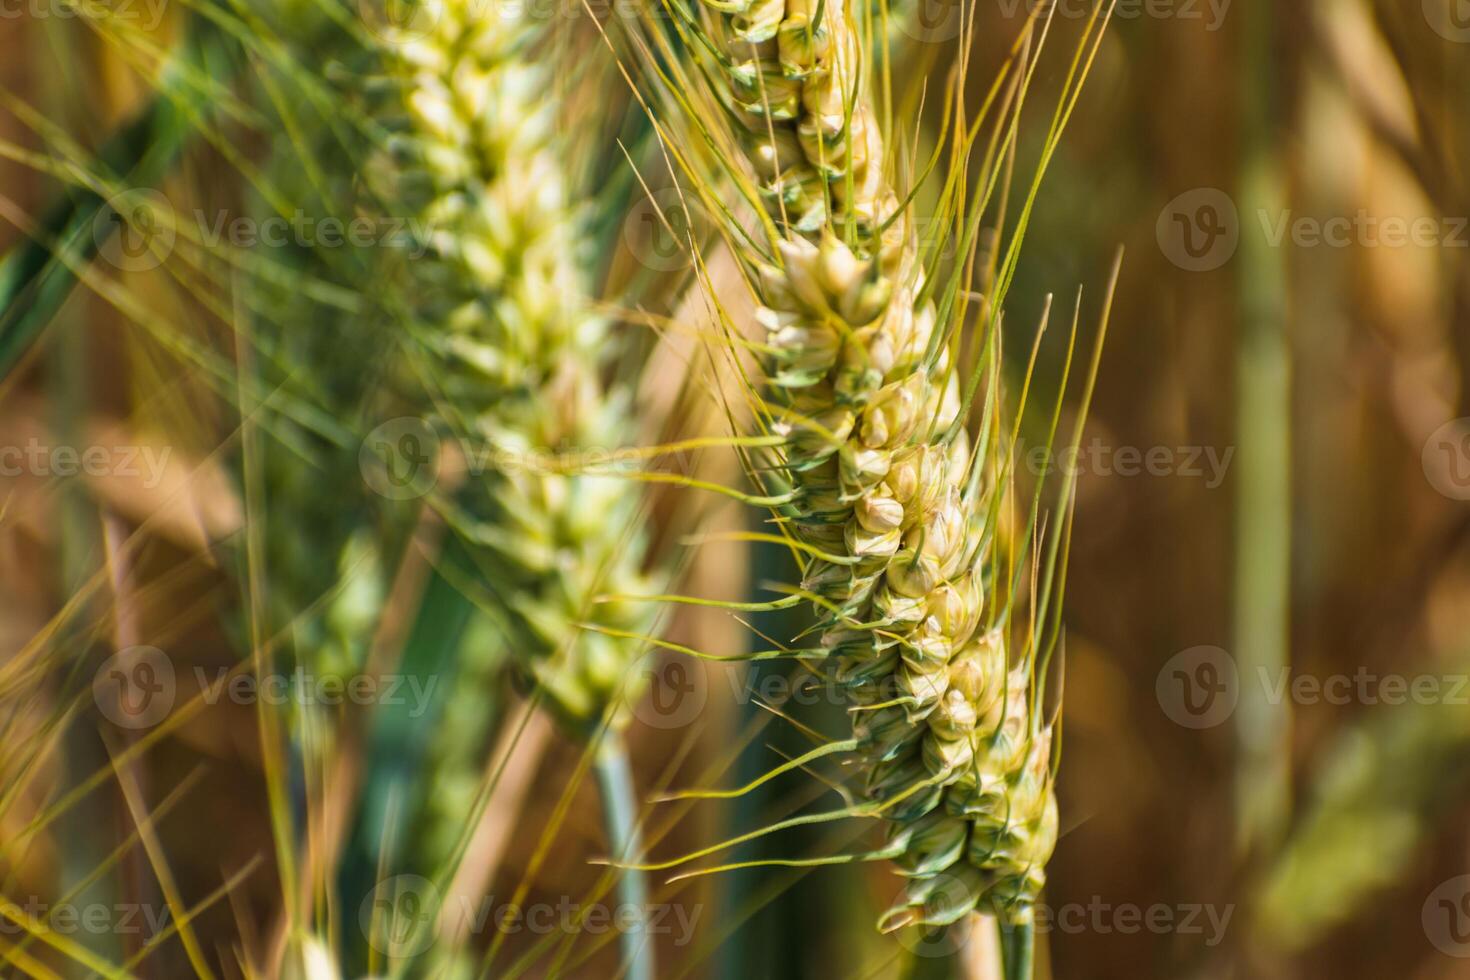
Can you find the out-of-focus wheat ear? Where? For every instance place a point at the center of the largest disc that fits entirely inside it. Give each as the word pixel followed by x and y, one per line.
pixel 521 365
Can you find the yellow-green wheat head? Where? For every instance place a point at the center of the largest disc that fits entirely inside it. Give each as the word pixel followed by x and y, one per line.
pixel 515 357
pixel 882 407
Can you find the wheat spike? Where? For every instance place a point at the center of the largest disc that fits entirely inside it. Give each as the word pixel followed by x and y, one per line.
pixel 867 398
pixel 504 294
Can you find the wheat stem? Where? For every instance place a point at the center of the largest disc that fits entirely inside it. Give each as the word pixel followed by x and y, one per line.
pixel 620 817
pixel 1018 948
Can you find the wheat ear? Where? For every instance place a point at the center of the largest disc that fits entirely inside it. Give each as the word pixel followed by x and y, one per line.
pixel 885 488
pixel 515 354
pixel 517 359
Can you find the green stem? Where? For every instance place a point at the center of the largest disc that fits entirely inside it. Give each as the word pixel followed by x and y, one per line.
pixel 1262 585
pixel 1018 947
pixel 620 816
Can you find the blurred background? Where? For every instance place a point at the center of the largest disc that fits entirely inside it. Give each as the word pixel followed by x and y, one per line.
pixel 1266 724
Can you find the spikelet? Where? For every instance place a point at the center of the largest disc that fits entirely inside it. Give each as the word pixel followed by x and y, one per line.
pixel 867 401
pixel 503 295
